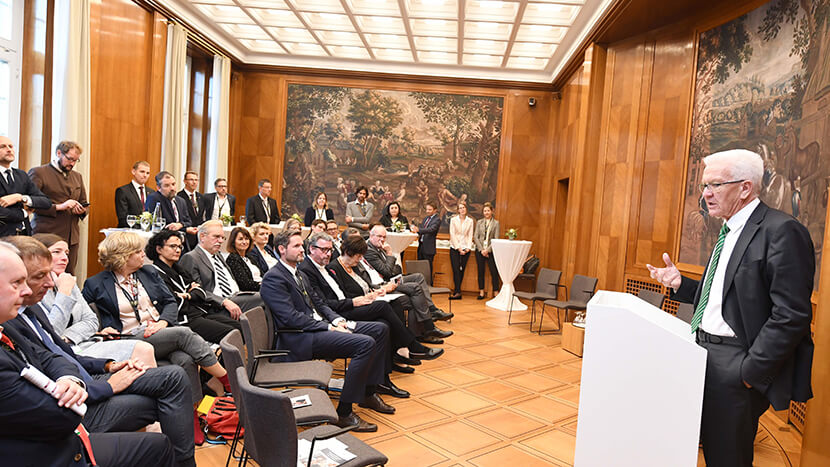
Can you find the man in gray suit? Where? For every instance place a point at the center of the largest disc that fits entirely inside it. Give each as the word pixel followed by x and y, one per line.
pixel 209 269
pixel 359 212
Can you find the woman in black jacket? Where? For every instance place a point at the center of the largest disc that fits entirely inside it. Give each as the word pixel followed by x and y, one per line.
pixel 392 215
pixel 320 210
pixel 244 271
pixel 195 312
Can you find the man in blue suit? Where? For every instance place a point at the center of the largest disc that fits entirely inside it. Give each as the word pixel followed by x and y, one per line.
pixel 123 396
pixel 325 334
pixel 427 233
pixel 173 208
pixel 36 428
pixel 17 194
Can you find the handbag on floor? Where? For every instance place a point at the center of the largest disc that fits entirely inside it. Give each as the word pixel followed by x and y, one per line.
pixel 221 421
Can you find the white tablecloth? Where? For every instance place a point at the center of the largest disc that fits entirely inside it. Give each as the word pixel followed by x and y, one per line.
pixel 510 255
pixel 399 241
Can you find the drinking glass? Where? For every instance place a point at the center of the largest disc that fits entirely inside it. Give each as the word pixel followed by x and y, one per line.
pixel 132 220
pixel 241 222
pixel 145 223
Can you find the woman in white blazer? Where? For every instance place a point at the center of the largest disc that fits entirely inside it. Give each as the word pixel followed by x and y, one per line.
pixel 461 244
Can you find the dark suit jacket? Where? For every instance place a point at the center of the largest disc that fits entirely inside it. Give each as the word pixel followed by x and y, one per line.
pixel 167 208
pixel 766 301
pixel 323 289
pixel 127 202
pixel 310 215
pixel 383 263
pixel 201 269
pixel 257 258
pixel 386 220
pixel 195 213
pixel 349 286
pixel 241 273
pixel 207 202
pixel 58 189
pixel 101 290
pixel 427 232
pixel 290 311
pixel 14 217
pixel 98 390
pixel 33 429
pixel 254 212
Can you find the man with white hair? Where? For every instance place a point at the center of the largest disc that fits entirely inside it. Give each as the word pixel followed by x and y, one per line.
pixel 752 308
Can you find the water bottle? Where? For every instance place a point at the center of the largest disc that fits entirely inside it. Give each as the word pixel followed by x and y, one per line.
pixel 156 217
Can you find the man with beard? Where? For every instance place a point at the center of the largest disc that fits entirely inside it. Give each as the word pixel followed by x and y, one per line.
pixel 173 208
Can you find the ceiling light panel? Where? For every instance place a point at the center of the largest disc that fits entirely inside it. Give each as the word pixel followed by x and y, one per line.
pixel 225 13
pixel 246 31
pixel 390 41
pixel 278 4
pixel 320 6
pixel 482 60
pixel 284 18
pixel 485 46
pixel 216 2
pixel 532 49
pixel 292 34
pixel 550 13
pixel 540 33
pixel 347 51
pixel 436 44
pixel 445 9
pixel 375 7
pixel 434 27
pixel 381 24
pixel 487 30
pixel 328 21
pixel 438 57
pixel 491 10
pixel 264 46
pixel 295 48
pixel 527 63
pixel 397 55
pixel 340 38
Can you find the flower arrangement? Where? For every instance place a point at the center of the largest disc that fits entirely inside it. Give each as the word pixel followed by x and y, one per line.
pixel 398 226
pixel 226 219
pixel 146 220
pixel 511 234
pixel 297 217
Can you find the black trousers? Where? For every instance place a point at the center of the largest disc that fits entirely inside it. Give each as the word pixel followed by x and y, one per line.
pixel 399 334
pixel 428 257
pixel 730 409
pixel 213 326
pixel 494 273
pixel 368 349
pixel 133 450
pixel 459 265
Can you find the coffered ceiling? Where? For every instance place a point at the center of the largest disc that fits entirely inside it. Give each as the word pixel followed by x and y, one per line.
pixel 516 40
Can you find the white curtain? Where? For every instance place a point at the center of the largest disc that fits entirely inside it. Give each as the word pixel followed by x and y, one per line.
pixel 72 95
pixel 217 160
pixel 175 98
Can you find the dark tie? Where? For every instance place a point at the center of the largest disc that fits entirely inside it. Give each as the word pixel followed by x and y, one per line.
pixel 301 285
pixel 9 179
pixel 55 348
pixel 267 210
pixel 222 277
pixel 710 275
pixel 141 191
pixel 193 200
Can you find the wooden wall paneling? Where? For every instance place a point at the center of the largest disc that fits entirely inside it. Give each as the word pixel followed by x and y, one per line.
pixel 123 61
pixel 234 129
pixel 155 97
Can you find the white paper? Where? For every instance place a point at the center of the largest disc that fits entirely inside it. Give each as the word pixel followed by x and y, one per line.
pixel 300 401
pixel 327 453
pixel 389 297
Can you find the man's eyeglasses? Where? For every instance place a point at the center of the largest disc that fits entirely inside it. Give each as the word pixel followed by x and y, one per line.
pixel 715 187
pixel 174 246
pixel 324 250
pixel 71 159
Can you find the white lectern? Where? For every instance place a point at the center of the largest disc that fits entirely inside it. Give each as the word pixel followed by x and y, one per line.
pixel 642 386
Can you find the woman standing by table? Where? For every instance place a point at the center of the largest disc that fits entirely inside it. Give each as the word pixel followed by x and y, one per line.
pixel 486 230
pixel 461 244
pixel 392 214
pixel 320 210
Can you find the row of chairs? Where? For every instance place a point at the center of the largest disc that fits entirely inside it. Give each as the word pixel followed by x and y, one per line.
pixel 547 291
pixel 685 311
pixel 266 414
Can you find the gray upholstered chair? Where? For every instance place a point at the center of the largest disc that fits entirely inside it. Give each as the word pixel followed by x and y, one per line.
pixel 271 432
pixel 652 297
pixel 685 311
pixel 422 266
pixel 265 373
pixel 547 288
pixel 582 289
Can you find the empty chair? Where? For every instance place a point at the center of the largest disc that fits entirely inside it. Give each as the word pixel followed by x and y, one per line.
pixel 685 311
pixel 265 373
pixel 422 266
pixel 582 289
pixel 547 287
pixel 271 432
pixel 652 297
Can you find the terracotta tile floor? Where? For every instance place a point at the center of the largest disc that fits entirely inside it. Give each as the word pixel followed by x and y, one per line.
pixel 500 396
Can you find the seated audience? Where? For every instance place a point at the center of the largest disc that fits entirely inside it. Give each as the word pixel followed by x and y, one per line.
pixel 292 224
pixel 36 427
pixel 132 299
pixel 220 203
pixel 461 243
pixel 164 249
pixel 246 274
pixel 364 307
pixel 261 207
pixel 320 210
pixel 295 305
pixel 73 319
pixel 317 226
pixel 486 229
pixel 334 232
pixel 392 215
pixel 130 198
pixel 123 395
pixel 208 268
pixel 359 212
pixel 261 253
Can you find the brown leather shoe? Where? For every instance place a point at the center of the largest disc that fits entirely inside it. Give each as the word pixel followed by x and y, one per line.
pixel 362 426
pixel 375 403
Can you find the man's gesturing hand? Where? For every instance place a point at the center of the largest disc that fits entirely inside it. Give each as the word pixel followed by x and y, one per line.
pixel 668 276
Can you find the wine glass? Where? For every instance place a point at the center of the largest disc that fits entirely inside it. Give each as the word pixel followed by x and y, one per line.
pixel 241 222
pixel 131 220
pixel 145 223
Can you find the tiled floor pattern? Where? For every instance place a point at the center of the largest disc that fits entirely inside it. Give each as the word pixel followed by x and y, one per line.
pixel 500 396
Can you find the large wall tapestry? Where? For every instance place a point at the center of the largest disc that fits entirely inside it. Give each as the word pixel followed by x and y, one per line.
pixel 409 147
pixel 763 83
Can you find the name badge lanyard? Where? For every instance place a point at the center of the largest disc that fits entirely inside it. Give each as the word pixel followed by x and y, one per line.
pixel 132 297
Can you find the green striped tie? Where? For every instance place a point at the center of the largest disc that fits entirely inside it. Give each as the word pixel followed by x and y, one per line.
pixel 710 274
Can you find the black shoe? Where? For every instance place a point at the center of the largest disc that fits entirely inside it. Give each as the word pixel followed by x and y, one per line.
pixel 362 426
pixel 429 340
pixel 391 390
pixel 406 361
pixel 481 297
pixel 438 315
pixel 438 333
pixel 402 369
pixel 455 296
pixel 431 354
pixel 375 403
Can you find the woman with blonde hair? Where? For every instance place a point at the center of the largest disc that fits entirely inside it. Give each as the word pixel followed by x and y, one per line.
pixel 319 210
pixel 261 252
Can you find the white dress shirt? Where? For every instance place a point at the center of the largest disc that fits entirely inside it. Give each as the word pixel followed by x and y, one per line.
pixel 713 321
pixel 220 207
pixel 329 280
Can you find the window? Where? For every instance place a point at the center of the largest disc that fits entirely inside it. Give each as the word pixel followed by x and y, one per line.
pixel 11 38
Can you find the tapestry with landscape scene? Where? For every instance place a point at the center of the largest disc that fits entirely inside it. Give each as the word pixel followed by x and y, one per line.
pixel 763 83
pixel 410 147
